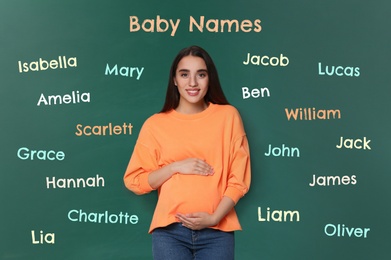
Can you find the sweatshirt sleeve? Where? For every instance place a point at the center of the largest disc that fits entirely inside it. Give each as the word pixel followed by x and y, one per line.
pixel 239 177
pixel 240 170
pixel 143 161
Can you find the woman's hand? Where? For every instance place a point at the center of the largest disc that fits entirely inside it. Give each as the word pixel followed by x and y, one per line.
pixel 192 166
pixel 188 166
pixel 197 221
pixel 200 220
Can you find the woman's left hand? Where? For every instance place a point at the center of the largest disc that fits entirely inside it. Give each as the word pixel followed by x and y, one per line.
pixel 197 220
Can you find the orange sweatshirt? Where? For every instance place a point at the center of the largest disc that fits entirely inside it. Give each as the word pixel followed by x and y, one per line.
pixel 215 135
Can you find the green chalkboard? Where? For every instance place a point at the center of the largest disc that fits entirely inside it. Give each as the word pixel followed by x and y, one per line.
pixel 309 78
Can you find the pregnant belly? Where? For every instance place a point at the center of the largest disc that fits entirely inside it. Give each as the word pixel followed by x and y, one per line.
pixel 191 193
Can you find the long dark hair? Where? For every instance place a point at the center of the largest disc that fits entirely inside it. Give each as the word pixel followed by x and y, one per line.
pixel 214 94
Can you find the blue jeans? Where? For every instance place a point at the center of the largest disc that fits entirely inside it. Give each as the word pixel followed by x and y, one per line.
pixel 176 242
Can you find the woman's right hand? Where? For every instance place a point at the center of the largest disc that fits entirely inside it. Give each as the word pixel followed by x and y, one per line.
pixel 188 166
pixel 193 166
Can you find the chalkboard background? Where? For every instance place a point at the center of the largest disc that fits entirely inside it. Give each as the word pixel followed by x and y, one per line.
pixel 349 39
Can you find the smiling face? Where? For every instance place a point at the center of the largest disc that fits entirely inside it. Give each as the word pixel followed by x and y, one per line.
pixel 191 79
